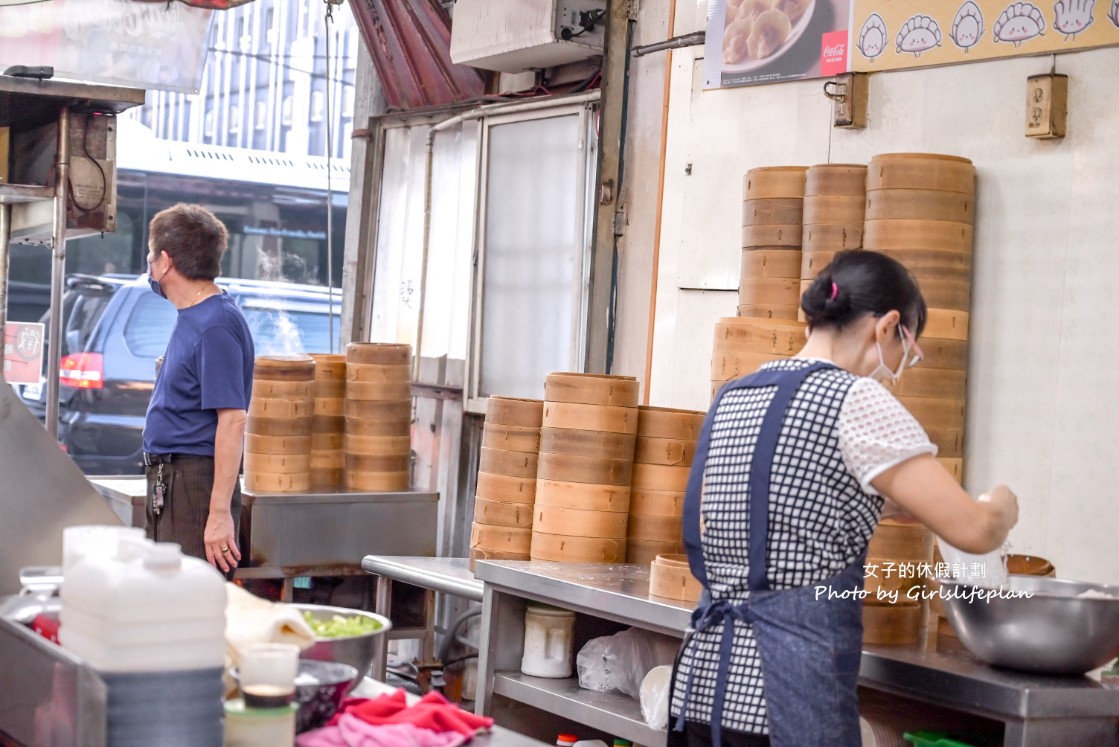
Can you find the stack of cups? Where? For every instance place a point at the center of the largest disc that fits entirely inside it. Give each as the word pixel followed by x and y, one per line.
pixel 899 557
pixel 278 428
pixel 834 207
pixel 743 344
pixel 378 416
pixel 506 491
pixel 772 215
pixel 586 465
pixel 666 441
pixel 328 426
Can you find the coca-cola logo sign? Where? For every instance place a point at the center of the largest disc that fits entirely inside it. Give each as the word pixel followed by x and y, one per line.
pixel 835 50
pixel 833 53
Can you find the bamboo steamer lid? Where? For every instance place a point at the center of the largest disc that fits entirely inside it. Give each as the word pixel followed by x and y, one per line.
pixel 379 353
pixel 644 552
pixel 727 366
pixel 511 463
pixel 500 539
pixel 656 528
pixel 774 182
pixel 935 413
pixel 670 577
pixel 378 391
pixel 784 312
pixel 590 417
pixel 329 366
pixel 583 496
pixel 768 292
pixel 941 383
pixel 278 427
pixel 377 445
pixel 566 549
pixel 378 462
pixel 885 576
pixel 328 460
pixel 268 408
pixel 921 171
pixel 378 372
pixel 329 407
pixel 277 483
pixel 955 467
pixel 843 210
pixel 660 477
pixel 279 464
pixel 378 427
pixel 781 211
pixel 656 502
pixel 574 522
pixel 511 438
pixel 329 389
pixel 284 368
pixel 936 235
pixel 827 237
pixel 942 353
pixel 290 445
pixel 946 324
pixel 593 470
pixel 667 451
pixel 526 413
pixel 327 478
pixel 949 441
pixel 601 444
pixel 497 514
pixel 668 422
pixel 835 179
pixel 375 482
pixel 505 489
pixel 770 336
pixel 282 389
pixel 893 625
pixel 901 541
pixel 776 262
pixel 592 389
pixel 787 235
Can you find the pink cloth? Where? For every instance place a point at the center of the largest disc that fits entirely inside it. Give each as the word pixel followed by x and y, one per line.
pixel 351 731
pixel 432 711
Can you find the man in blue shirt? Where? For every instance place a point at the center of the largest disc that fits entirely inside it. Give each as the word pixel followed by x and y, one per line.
pixel 195 427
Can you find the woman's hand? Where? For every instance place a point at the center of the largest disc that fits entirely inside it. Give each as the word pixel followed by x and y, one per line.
pixel 1004 507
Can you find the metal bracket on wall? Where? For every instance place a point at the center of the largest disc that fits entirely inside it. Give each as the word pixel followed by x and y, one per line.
pixel 620 221
pixel 850 93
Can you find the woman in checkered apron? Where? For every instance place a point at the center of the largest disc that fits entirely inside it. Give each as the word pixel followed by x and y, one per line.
pixel 795 464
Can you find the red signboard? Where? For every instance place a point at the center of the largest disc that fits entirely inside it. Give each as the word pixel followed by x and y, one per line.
pixel 23 352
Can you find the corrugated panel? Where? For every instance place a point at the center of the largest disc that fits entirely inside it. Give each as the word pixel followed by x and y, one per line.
pixel 410 42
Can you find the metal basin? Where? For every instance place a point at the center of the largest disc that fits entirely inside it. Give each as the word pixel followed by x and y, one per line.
pixel 1053 631
pixel 357 651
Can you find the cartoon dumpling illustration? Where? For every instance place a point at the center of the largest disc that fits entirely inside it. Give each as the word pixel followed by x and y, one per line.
pixel 1070 17
pixel 872 36
pixel 919 34
pixel 1113 14
pixel 1018 23
pixel 967 28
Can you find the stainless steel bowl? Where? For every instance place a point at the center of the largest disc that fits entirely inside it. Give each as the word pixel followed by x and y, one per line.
pixel 357 651
pixel 1053 631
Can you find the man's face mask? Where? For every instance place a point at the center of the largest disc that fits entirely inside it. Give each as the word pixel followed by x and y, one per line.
pixel 158 289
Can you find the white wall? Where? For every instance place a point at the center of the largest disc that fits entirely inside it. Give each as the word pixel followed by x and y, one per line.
pixel 1043 415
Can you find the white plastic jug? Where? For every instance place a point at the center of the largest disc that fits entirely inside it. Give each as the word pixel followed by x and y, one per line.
pixel 548 640
pixel 101 540
pixel 147 608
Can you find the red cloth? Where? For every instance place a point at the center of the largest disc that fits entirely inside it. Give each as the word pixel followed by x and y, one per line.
pixel 433 712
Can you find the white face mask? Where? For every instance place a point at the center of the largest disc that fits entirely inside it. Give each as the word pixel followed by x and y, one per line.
pixel 882 372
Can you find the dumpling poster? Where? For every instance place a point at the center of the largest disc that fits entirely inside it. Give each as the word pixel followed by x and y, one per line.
pixel 766 41
pixel 896 34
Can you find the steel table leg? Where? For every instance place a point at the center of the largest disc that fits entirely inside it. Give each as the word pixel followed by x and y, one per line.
pixel 382 605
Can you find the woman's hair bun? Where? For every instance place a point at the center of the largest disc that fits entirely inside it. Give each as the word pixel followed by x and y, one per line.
pixel 858 282
pixel 825 301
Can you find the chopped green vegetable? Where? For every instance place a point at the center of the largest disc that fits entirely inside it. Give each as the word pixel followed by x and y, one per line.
pixel 341 627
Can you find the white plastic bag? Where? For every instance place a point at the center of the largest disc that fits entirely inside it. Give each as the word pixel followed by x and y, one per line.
pixel 655 695
pixel 621 661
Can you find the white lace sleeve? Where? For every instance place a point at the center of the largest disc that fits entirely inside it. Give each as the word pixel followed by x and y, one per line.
pixel 876 432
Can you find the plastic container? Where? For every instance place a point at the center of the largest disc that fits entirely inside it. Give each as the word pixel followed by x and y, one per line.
pixel 259 727
pixel 146 609
pixel 548 639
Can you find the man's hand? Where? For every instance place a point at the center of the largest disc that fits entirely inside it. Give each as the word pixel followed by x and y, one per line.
pixel 221 544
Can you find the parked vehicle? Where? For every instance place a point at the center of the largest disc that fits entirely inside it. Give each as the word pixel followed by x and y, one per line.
pixel 114 329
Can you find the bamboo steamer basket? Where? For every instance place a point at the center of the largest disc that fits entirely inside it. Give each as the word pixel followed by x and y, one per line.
pixel 378 415
pixel 774 182
pixel 505 489
pixel 277 483
pixel 834 210
pixel 273 427
pixel 921 171
pixel 277 454
pixel 388 463
pixel 592 389
pixel 290 408
pixel 831 238
pixel 525 413
pixel 328 424
pixel 727 366
pixel 656 528
pixel 787 235
pixel 376 482
pixel 666 451
pixel 377 372
pixel 282 389
pixel 574 522
pixel 593 470
pixel 583 496
pixel 941 383
pixel 644 552
pixel 671 578
pixel 771 262
pixel 277 444
pixel 379 353
pixel 562 548
pixel 893 624
pixel 284 368
pixel 277 464
pixel 777 313
pixel 934 264
pixel 500 539
pixel 942 353
pixel 835 179
pixel 511 438
pixel 656 502
pixel 610 418
pixel 660 477
pixel 477 553
pixel 920 204
pixel 955 467
pixel 509 463
pixel 398 412
pixel 812 263
pixel 377 445
pixel 931 235
pixel 949 441
pixel 378 391
pixel 780 211
pixel 947 324
pixel 668 422
pixel 498 514
pixel 598 444
pixel 935 413
pixel 758 336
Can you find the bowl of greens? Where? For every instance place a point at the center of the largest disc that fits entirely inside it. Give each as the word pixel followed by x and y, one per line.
pixel 343 635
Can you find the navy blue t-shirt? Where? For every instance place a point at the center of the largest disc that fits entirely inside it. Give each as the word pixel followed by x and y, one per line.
pixel 208 367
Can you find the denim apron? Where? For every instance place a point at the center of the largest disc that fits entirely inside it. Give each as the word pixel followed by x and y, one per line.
pixel 809 648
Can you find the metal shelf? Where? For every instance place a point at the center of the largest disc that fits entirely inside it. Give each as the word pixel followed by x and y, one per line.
pixel 13 193
pixel 611 712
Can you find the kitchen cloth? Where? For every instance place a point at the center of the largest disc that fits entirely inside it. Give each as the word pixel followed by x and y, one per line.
pixel 388 721
pixel 250 619
pixel 351 731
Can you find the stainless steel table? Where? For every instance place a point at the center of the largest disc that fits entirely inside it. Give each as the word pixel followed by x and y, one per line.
pixel 1037 711
pixel 445 575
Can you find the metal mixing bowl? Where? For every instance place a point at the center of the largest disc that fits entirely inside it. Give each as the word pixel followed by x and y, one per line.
pixel 357 651
pixel 1054 631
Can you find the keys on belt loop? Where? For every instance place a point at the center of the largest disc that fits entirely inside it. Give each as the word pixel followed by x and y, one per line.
pixel 159 490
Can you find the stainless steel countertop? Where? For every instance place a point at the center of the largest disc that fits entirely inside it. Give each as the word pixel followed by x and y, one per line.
pixel 134 490
pixel 447 575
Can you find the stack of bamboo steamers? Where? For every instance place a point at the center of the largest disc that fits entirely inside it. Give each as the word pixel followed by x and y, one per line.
pixel 279 425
